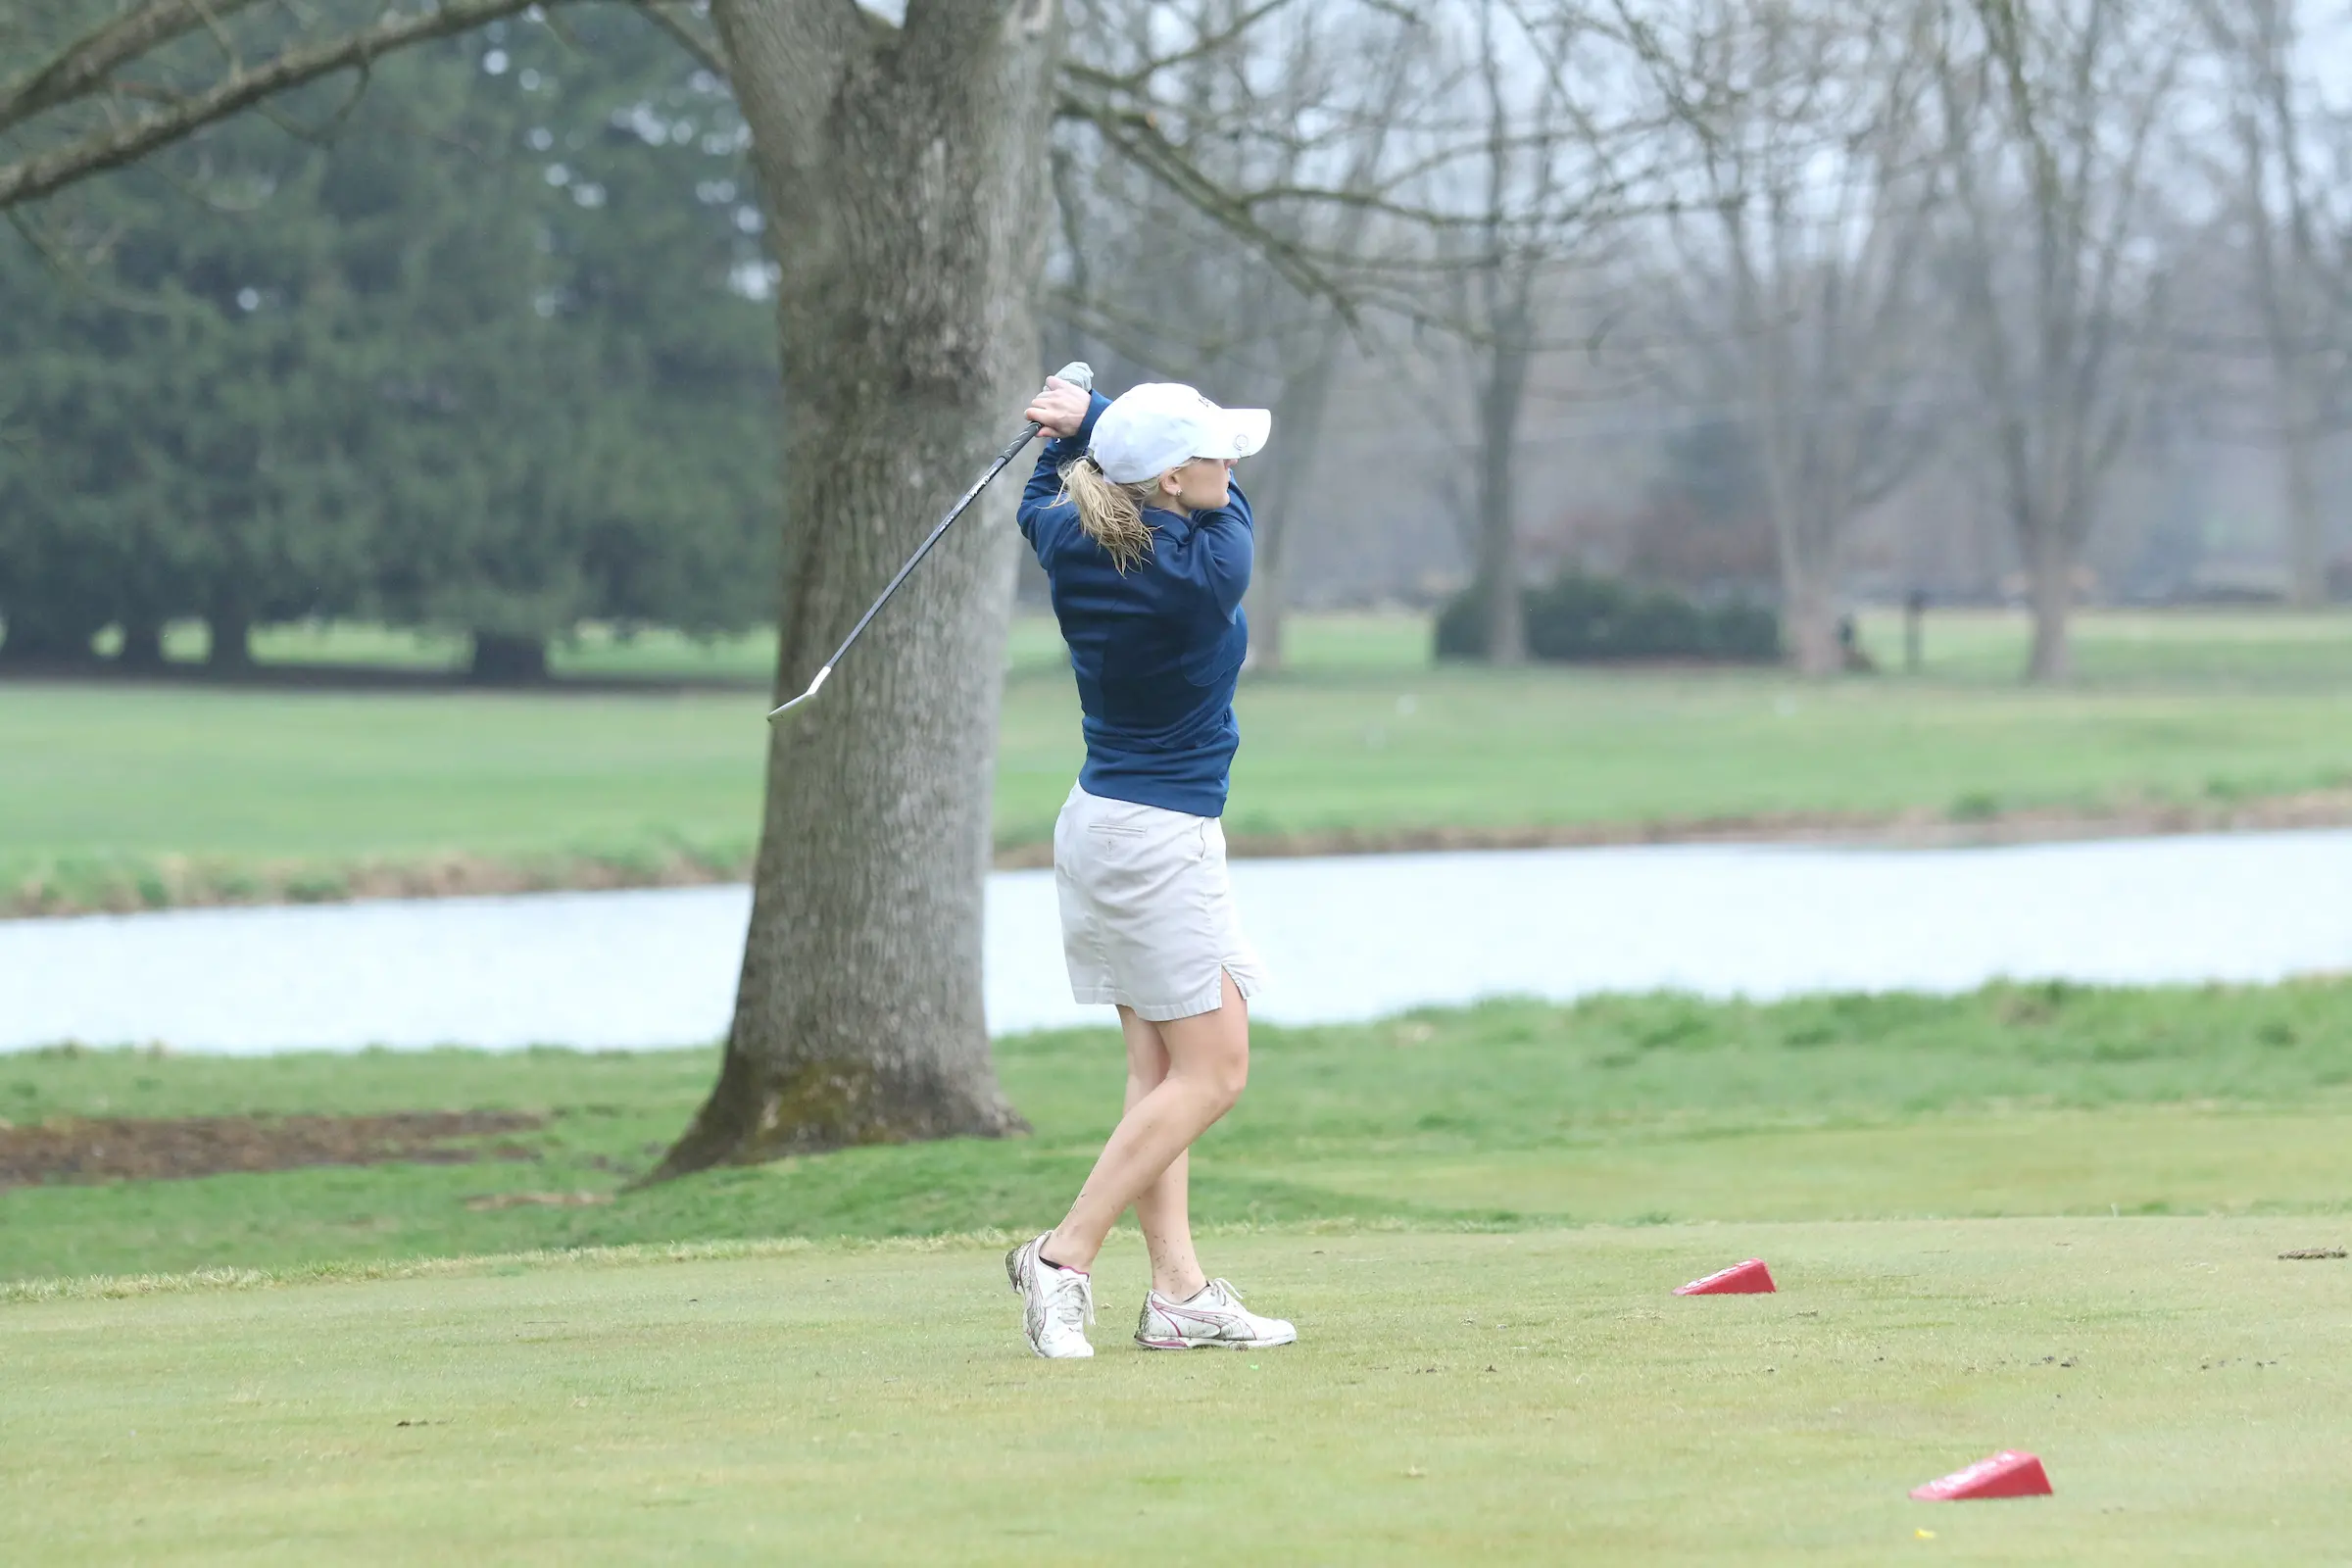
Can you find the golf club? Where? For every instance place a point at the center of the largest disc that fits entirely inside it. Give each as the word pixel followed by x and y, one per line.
pixel 1078 374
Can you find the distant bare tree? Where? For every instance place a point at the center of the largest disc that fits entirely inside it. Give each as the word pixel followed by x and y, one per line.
pixel 1519 168
pixel 1525 64
pixel 1289 111
pixel 2293 249
pixel 1311 330
pixel 1435 165
pixel 1803 219
pixel 2052 113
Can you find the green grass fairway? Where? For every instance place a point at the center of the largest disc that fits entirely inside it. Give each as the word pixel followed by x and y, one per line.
pixel 128 795
pixel 2044 1218
pixel 1538 1397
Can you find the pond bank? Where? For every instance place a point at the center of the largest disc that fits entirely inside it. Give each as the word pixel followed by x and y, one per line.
pixel 184 882
pixel 1345 937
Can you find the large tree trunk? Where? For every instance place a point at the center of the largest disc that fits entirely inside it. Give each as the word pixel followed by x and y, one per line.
pixel 231 628
pixel 2306 525
pixel 1498 493
pixel 1266 588
pixel 1804 533
pixel 1305 396
pixel 1809 620
pixel 40 633
pixel 905 176
pixel 2050 567
pixel 503 659
pixel 142 643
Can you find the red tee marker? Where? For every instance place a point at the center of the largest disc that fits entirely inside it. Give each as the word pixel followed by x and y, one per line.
pixel 2007 1474
pixel 1750 1278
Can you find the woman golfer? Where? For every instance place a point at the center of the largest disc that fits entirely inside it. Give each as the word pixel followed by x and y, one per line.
pixel 1146 539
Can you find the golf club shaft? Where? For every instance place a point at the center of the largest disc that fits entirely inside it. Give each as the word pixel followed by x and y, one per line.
pixel 1076 373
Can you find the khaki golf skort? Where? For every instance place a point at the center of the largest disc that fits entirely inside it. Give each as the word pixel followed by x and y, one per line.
pixel 1147 908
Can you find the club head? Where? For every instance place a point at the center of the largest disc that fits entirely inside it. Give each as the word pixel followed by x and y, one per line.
pixel 775 713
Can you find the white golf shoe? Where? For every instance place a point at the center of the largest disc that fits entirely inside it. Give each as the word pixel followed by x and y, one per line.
pixel 1214 1317
pixel 1057 1302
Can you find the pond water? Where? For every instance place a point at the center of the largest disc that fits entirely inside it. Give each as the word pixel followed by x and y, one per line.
pixel 1344 939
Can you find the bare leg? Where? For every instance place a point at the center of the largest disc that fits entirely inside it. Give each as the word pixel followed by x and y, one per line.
pixel 1208 1064
pixel 1164 1209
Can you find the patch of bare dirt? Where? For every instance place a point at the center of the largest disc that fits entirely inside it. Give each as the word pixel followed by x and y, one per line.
pixel 130 1149
pixel 491 1202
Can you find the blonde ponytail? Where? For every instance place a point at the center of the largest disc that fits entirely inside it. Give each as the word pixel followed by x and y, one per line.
pixel 1112 515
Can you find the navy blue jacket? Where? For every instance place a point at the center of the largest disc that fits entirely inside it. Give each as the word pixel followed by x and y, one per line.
pixel 1157 649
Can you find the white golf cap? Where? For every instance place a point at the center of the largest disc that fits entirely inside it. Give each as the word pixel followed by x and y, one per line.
pixel 1156 426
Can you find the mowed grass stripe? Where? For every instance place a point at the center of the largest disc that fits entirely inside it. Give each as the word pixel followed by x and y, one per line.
pixel 1533 1398
pixel 2135 1159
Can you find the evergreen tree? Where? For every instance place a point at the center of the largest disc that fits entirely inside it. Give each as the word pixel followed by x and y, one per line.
pixel 176 438
pixel 587 429
pixel 492 358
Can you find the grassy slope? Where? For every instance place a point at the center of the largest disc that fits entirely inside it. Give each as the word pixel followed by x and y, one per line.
pixel 1536 1398
pixel 105 784
pixel 2012 1102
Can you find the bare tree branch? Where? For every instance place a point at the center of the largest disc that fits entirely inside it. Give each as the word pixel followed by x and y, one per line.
pixel 41 173
pixel 701 47
pixel 1209 44
pixel 1137 136
pixel 84 68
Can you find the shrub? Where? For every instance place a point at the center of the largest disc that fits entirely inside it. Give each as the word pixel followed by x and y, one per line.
pixel 1581 620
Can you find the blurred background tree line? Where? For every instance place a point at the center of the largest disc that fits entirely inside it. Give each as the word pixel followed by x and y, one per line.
pixel 1631 316
pixel 1653 309
pixel 485 348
